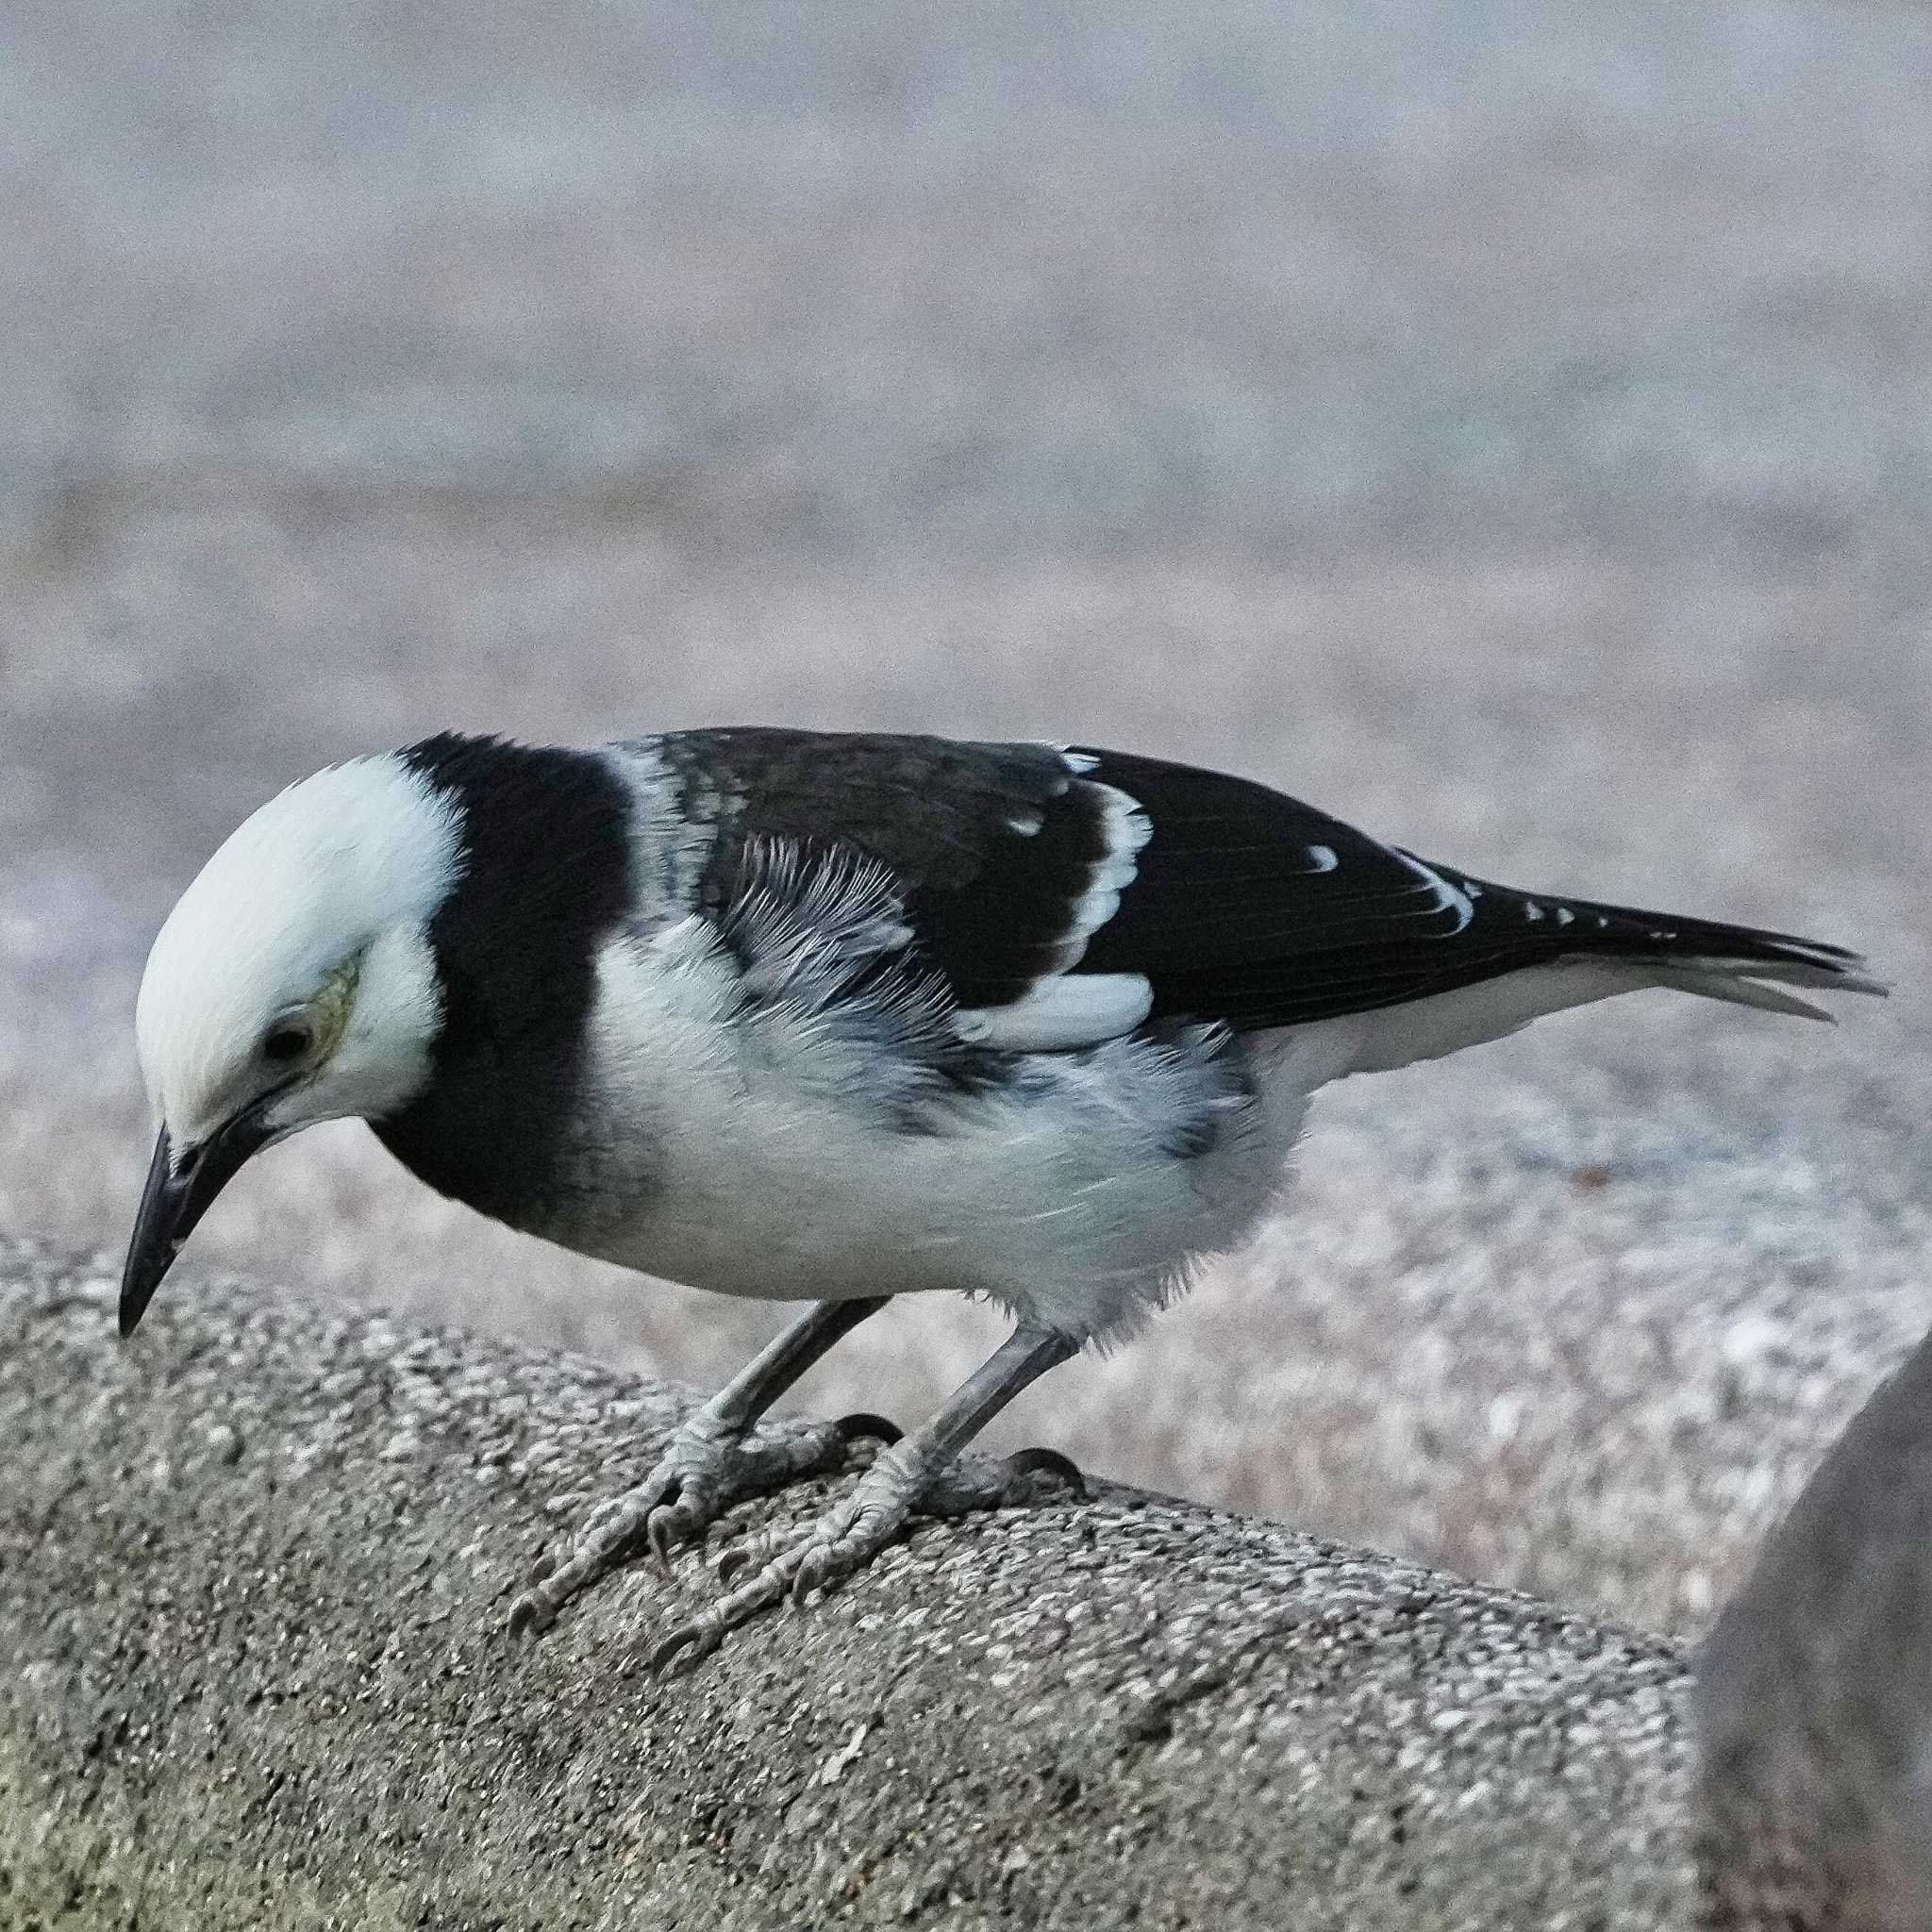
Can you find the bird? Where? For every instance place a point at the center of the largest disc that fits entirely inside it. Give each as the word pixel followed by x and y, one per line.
pixel 832 1017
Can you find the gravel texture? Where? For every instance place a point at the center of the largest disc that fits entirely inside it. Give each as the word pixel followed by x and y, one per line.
pixel 253 1570
pixel 1507 427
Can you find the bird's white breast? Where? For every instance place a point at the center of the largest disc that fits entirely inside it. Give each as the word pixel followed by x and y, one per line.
pixel 759 1152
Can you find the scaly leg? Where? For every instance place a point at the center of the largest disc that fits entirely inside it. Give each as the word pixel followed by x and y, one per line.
pixel 712 1461
pixel 848 1536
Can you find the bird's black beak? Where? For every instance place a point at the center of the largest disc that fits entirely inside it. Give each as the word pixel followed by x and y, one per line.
pixel 180 1192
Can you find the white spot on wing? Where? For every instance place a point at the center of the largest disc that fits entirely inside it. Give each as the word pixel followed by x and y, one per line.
pixel 1531 910
pixel 1324 858
pixel 1076 1009
pixel 1564 916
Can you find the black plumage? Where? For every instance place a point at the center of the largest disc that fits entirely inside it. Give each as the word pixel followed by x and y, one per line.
pixel 992 845
pixel 1229 915
pixel 543 856
pixel 1245 905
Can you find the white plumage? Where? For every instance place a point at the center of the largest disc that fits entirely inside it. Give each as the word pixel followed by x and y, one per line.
pixel 338 874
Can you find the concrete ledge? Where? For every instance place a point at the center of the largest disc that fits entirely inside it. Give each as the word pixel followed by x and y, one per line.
pixel 253 1573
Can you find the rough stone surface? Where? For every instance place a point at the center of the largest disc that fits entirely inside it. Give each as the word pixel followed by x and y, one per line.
pixel 1502 424
pixel 253 1570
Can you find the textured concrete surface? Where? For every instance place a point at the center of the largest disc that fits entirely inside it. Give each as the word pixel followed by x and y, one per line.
pixel 252 1571
pixel 1508 426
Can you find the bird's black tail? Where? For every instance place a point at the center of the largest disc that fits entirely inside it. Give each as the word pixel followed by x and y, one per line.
pixel 1745 964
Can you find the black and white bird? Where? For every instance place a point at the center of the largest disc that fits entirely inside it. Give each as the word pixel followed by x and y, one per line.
pixel 831 1018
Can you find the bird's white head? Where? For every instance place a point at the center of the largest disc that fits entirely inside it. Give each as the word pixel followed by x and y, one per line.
pixel 294 982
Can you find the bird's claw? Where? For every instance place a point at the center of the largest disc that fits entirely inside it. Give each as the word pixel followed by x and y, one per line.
pixel 866 1427
pixel 692 1505
pixel 703 1472
pixel 529 1615
pixel 1048 1462
pixel 840 1543
pixel 738 1557
pixel 664 1528
pixel 810 1575
pixel 684 1647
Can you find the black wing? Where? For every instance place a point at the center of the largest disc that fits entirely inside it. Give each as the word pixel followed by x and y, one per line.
pixel 1001 852
pixel 1020 863
pixel 1251 908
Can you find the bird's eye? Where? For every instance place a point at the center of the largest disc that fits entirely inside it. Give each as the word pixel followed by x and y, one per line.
pixel 285 1043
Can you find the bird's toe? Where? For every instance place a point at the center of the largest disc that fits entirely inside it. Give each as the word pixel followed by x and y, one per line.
pixel 813 1570
pixel 668 1525
pixel 766 1569
pixel 530 1614
pixel 702 1473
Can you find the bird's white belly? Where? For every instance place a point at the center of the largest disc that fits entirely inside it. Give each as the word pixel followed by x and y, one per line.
pixel 754 1155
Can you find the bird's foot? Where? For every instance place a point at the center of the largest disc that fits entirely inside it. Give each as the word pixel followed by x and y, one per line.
pixel 708 1466
pixel 849 1535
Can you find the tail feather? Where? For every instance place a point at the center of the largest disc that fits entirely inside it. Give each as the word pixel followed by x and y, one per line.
pixel 1746 965
pixel 1544 954
pixel 1723 982
pixel 1742 980
pixel 1850 977
pixel 1363 1007
pixel 1749 967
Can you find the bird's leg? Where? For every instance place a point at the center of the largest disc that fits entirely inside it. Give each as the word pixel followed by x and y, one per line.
pixel 917 1470
pixel 712 1461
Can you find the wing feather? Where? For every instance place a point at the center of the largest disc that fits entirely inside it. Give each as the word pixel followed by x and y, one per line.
pixel 1066 896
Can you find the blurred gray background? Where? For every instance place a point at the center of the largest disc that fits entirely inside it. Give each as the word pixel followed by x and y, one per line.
pixel 1507 427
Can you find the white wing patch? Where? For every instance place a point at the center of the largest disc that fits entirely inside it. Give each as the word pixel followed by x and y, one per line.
pixel 801 923
pixel 1126 828
pixel 1071 1011
pixel 1324 858
pixel 1065 1009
